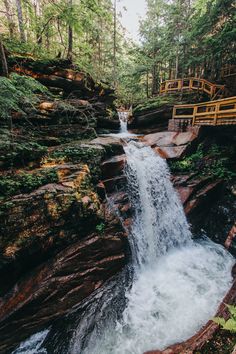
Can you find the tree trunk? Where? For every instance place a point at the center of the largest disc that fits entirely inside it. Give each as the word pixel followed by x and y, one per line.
pixel 20 20
pixel 154 80
pixel 177 64
pixel 147 85
pixel 3 59
pixel 70 36
pixel 38 14
pixel 10 22
pixel 114 43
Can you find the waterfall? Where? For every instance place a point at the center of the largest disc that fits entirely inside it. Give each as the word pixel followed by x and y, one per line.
pixel 123 117
pixel 160 223
pixel 177 283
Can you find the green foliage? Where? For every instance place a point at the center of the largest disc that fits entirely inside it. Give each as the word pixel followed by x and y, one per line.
pixel 214 162
pixel 230 324
pixel 154 103
pixel 100 228
pixel 188 164
pixel 16 92
pixel 78 154
pixel 25 182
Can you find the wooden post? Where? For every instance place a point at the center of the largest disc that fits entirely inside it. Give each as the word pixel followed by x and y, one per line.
pixel 213 87
pixel 217 108
pixel 174 113
pixel 194 114
pixel 179 84
pixel 190 84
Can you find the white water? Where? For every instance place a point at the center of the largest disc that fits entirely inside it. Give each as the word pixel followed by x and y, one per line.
pixel 123 117
pixel 33 344
pixel 178 283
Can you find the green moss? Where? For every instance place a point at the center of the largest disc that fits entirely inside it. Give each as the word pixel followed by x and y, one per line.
pixel 153 103
pixel 19 153
pixel 26 182
pixel 76 153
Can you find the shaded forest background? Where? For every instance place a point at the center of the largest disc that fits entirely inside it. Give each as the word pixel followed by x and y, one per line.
pixel 179 38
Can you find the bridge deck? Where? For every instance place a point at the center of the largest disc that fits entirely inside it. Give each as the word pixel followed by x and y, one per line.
pixel 220 112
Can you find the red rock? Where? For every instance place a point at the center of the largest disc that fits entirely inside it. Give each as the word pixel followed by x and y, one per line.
pixel 113 184
pixel 184 193
pixel 52 289
pixel 174 152
pixel 113 167
pixel 169 138
pixel 170 145
pixel 230 237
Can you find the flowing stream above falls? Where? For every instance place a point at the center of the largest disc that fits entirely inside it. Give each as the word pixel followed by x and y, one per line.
pixel 177 283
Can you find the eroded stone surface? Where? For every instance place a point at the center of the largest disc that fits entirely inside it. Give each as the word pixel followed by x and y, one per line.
pixel 52 289
pixel 170 145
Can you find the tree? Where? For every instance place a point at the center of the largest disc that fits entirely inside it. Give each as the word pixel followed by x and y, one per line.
pixel 10 22
pixel 3 59
pixel 70 34
pixel 20 20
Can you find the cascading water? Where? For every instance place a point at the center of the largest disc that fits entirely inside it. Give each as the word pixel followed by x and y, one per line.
pixel 159 222
pixel 177 283
pixel 123 117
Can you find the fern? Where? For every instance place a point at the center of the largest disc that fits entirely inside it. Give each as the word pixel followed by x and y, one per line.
pixel 16 92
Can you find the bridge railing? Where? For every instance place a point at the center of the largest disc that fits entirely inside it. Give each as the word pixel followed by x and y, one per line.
pixel 190 84
pixel 228 70
pixel 220 112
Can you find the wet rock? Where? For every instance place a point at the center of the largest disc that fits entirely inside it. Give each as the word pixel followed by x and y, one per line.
pixel 196 193
pixel 113 166
pixel 106 123
pixel 112 145
pixel 203 197
pixel 230 237
pixel 170 144
pixel 115 184
pixel 52 289
pixel 120 203
pixel 36 225
pixel 174 152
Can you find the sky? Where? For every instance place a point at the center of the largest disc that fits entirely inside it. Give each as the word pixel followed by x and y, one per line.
pixel 130 18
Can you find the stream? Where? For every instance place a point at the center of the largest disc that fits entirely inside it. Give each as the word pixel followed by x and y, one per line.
pixel 172 286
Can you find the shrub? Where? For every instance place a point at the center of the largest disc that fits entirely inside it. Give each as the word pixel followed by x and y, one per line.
pixel 230 324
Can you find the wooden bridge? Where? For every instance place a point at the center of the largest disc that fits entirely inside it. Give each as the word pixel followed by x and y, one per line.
pixel 191 84
pixel 228 71
pixel 220 112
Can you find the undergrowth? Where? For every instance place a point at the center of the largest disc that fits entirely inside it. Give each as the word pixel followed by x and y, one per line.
pixel 25 182
pixel 214 162
pixel 17 91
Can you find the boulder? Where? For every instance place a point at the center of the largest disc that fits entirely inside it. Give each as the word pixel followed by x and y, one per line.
pixel 170 145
